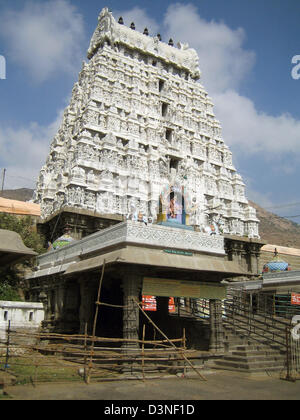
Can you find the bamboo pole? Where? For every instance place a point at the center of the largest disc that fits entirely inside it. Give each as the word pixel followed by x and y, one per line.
pixel 85 353
pixel 143 348
pixel 94 324
pixel 7 346
pixel 111 305
pixel 164 335
pixel 184 347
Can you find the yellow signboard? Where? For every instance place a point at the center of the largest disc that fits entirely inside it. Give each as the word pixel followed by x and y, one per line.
pixel 182 288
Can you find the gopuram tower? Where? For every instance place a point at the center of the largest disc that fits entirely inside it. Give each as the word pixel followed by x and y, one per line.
pixel 139 140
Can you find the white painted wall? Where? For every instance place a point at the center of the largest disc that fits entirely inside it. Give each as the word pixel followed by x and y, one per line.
pixel 25 315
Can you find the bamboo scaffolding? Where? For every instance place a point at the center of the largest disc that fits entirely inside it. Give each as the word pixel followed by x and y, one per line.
pixel 111 305
pixel 91 352
pixel 150 359
pixel 99 339
pixel 159 330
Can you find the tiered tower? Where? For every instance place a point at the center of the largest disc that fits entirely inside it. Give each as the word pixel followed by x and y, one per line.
pixel 140 127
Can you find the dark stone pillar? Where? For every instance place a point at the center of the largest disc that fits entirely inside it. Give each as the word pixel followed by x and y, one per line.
pixel 216 343
pixel 162 312
pixel 162 303
pixel 43 298
pixel 131 285
pixel 71 306
pixel 254 258
pixel 56 307
pixel 87 305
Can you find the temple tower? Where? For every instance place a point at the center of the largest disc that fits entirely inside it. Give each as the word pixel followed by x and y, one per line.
pixel 140 139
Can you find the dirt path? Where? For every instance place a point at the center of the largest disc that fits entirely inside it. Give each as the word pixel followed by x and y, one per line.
pixel 219 385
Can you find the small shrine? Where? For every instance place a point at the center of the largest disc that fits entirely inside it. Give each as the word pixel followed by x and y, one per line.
pixel 276 264
pixel 62 241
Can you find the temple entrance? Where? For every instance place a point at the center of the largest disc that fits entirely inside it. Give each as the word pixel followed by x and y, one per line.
pixel 167 315
pixel 110 318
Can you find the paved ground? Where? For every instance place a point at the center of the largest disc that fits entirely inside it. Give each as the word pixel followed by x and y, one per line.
pixel 220 385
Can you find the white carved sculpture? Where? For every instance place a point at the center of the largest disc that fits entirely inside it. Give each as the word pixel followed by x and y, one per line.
pixel 139 119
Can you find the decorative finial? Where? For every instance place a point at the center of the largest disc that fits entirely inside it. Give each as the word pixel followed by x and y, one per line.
pixel 121 21
pixel 146 32
pixel 132 26
pixel 171 42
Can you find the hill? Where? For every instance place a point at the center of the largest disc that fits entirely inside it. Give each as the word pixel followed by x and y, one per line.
pixel 21 194
pixel 273 229
pixel 277 230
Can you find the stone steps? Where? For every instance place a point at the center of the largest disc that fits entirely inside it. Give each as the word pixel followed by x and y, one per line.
pixel 250 352
pixel 251 358
pixel 259 352
pixel 252 367
pixel 267 340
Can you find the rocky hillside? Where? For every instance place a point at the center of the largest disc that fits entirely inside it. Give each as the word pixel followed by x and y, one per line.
pixel 21 194
pixel 273 229
pixel 277 230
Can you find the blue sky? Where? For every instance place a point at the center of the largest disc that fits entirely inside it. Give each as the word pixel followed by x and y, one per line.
pixel 245 49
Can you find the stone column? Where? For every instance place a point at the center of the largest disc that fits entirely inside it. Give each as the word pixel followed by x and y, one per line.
pixel 62 305
pixel 162 311
pixel 43 298
pixel 131 285
pixel 216 343
pixel 162 305
pixel 71 307
pixel 56 303
pixel 254 258
pixel 87 305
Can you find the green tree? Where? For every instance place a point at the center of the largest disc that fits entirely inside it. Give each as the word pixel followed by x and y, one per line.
pixel 12 278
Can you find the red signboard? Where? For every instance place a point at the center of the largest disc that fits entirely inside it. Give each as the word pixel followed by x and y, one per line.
pixel 295 299
pixel 149 304
pixel 171 305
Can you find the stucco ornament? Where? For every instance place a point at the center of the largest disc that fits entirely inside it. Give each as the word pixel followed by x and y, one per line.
pixel 139 120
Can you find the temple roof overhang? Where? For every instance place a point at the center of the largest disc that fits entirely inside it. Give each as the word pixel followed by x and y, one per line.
pixel 135 243
pixel 156 258
pixel 12 248
pixel 19 207
pixel 271 281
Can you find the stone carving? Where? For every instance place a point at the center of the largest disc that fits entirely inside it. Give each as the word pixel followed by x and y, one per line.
pixel 138 120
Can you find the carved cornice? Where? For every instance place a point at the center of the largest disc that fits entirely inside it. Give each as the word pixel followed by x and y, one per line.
pixel 128 233
pixel 109 30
